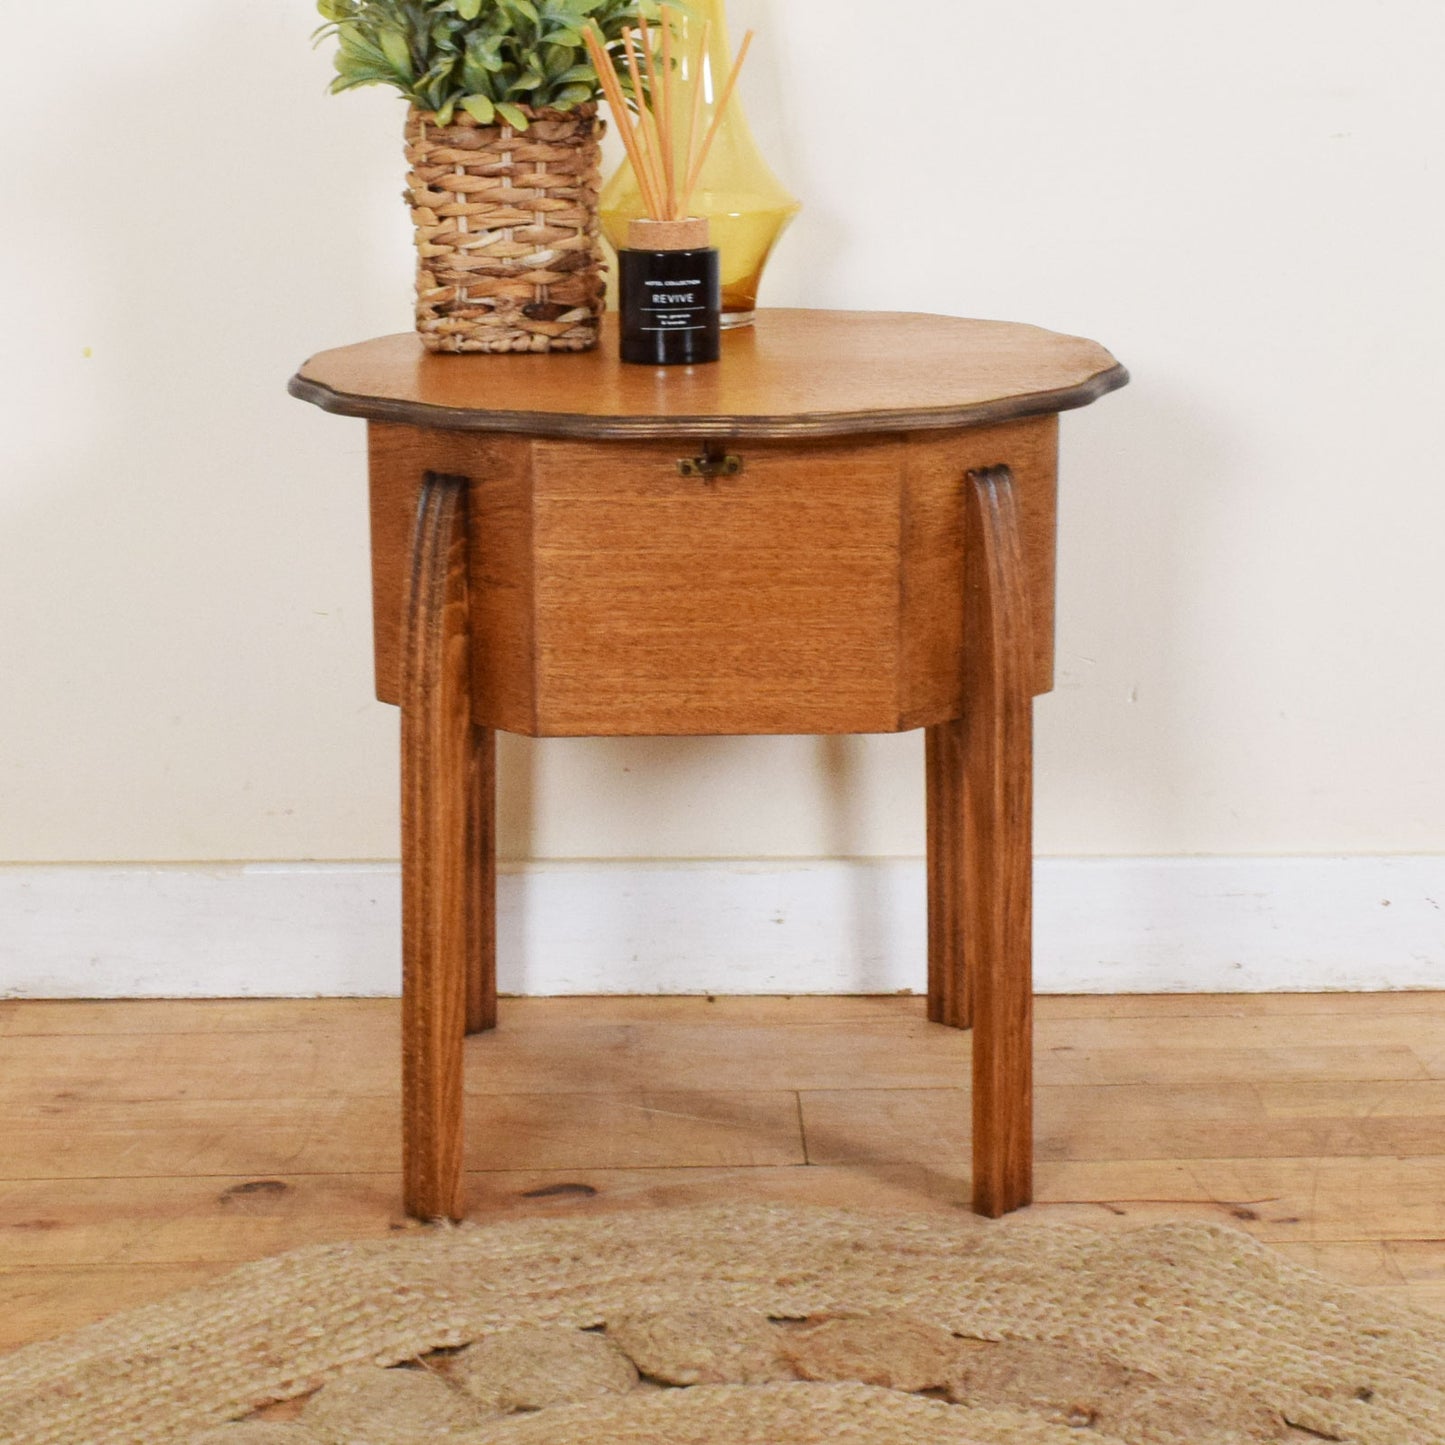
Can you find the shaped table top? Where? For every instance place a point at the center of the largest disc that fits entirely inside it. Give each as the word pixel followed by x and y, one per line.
pixel 793 374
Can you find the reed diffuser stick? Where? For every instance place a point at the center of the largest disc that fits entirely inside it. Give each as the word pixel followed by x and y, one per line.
pixel 699 96
pixel 612 89
pixel 645 114
pixel 658 121
pixel 695 171
pixel 669 151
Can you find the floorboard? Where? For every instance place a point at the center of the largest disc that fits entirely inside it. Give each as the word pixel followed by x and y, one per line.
pixel 147 1146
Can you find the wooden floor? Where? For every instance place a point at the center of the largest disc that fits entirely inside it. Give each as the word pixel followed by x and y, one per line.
pixel 148 1146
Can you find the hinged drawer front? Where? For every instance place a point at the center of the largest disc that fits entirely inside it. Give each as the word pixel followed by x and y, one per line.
pixel 754 592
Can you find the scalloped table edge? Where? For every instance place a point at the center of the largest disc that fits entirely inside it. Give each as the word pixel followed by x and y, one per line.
pixel 806 424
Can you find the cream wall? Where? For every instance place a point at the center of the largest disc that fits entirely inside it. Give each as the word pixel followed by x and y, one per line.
pixel 1243 202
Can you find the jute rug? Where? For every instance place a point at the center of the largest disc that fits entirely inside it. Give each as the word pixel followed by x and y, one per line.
pixel 748 1326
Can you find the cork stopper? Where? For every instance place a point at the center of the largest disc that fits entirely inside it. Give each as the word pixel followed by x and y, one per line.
pixel 691 234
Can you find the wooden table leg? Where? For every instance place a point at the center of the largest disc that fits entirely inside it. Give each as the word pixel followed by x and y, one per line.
pixel 440 770
pixel 950 998
pixel 995 838
pixel 482 883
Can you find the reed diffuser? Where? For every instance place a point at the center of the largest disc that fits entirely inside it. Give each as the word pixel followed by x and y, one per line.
pixel 747 206
pixel 669 278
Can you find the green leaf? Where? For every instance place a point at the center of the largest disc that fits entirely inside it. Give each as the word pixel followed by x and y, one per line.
pixel 445 111
pixel 512 116
pixel 352 82
pixel 397 51
pixel 354 43
pixel 469 9
pixel 476 80
pixel 479 108
pixel 485 53
pixel 436 87
pixel 446 34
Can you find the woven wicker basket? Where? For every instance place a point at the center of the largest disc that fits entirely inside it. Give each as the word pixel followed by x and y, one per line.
pixel 508 255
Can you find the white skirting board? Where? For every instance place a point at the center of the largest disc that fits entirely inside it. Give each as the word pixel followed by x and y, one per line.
pixel 1115 925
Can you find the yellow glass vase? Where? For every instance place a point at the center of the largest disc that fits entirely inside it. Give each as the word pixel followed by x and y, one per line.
pixel 748 207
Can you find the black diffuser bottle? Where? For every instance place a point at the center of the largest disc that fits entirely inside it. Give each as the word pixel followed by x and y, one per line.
pixel 670 286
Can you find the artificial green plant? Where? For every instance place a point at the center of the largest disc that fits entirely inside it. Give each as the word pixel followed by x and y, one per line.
pixel 489 58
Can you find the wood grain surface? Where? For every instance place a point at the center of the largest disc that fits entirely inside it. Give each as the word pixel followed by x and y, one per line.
pixel 148 1146
pixel 439 773
pixel 764 603
pixel 993 870
pixel 934 568
pixel 820 591
pixel 950 989
pixel 481 881
pixel 794 374
pixel 499 470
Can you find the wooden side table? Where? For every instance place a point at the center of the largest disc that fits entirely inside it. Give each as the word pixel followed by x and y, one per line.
pixel 846 526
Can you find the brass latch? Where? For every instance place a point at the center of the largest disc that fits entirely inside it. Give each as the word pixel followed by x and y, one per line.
pixel 713 463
